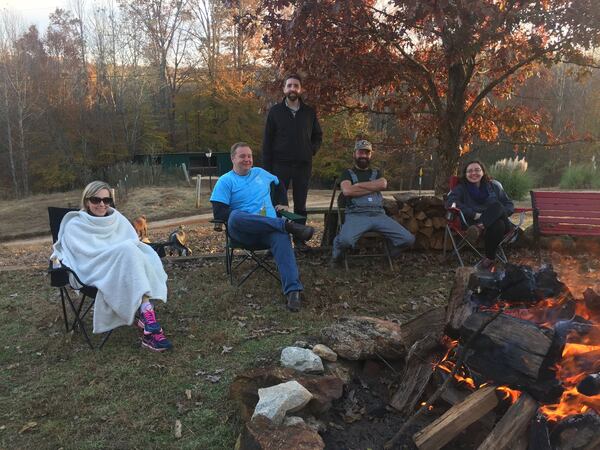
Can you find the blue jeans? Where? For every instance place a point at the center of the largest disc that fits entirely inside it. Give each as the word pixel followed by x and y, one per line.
pixel 254 230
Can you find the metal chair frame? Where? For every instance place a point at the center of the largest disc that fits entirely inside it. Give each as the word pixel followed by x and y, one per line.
pixel 248 253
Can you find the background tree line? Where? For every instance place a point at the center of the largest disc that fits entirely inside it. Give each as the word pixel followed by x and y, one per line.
pixel 106 81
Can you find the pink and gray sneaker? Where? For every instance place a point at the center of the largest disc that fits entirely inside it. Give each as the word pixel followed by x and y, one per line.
pixel 156 342
pixel 147 322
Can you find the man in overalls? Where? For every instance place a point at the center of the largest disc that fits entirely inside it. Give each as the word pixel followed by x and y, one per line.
pixel 361 196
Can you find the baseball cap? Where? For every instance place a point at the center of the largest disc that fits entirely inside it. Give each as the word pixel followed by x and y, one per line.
pixel 362 144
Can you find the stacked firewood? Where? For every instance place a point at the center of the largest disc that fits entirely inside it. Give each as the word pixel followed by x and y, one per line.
pixel 424 217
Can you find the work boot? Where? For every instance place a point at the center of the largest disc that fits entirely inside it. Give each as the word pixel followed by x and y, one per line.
pixel 298 231
pixel 293 301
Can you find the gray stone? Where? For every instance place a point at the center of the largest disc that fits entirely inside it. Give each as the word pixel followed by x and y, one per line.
pixel 325 352
pixel 275 401
pixel 293 420
pixel 301 359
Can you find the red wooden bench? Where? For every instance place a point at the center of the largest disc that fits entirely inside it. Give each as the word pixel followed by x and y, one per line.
pixel 565 212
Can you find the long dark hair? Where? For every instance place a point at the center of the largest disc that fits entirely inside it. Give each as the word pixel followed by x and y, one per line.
pixel 484 179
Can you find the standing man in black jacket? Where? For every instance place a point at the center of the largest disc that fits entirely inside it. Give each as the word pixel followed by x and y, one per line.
pixel 292 137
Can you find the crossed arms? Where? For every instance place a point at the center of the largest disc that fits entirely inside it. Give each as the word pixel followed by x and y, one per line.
pixel 363 188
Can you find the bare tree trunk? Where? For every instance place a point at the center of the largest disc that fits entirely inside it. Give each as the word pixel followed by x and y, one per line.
pixel 9 142
pixel 23 151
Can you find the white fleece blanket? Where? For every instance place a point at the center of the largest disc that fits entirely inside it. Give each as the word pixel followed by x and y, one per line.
pixel 105 252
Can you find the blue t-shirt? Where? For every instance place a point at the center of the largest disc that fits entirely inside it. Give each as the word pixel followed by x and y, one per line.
pixel 246 192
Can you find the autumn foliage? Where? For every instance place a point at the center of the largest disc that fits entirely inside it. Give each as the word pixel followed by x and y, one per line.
pixel 444 68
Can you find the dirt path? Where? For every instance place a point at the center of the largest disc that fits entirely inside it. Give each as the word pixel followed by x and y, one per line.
pixel 316 198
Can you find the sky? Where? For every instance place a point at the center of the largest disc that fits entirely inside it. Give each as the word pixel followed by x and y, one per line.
pixel 33 11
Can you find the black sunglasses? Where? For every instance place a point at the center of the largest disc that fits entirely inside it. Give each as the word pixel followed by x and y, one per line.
pixel 97 200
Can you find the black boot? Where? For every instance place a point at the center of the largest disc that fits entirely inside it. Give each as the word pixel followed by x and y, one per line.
pixel 293 301
pixel 298 231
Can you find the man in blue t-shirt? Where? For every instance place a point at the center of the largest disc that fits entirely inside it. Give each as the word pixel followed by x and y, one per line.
pixel 242 198
pixel 361 196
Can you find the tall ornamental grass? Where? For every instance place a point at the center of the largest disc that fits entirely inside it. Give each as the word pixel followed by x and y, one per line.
pixel 513 174
pixel 580 176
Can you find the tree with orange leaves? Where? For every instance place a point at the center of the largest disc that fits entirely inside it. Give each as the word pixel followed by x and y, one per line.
pixel 441 67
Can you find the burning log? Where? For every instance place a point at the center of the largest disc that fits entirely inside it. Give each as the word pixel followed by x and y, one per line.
pixel 456 419
pixel 512 426
pixel 539 436
pixel 581 432
pixel 514 352
pixel 590 385
pixel 415 379
pixel 592 300
pixel 459 301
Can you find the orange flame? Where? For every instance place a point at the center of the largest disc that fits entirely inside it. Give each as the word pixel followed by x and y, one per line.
pixel 509 394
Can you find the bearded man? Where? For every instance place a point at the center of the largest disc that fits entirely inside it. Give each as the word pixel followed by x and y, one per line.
pixel 361 196
pixel 292 137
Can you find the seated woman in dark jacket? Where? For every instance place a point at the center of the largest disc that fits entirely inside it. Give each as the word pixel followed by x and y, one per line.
pixel 486 208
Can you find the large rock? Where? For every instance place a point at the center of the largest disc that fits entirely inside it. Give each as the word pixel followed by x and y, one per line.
pixel 301 359
pixel 244 388
pixel 325 352
pixel 324 390
pixel 261 434
pixel 358 338
pixel 275 401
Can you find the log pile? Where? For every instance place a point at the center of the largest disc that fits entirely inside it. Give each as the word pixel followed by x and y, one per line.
pixel 424 217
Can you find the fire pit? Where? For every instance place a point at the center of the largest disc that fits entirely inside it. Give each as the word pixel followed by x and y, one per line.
pixel 521 335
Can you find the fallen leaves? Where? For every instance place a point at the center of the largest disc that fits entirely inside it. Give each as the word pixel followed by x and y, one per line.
pixel 28 427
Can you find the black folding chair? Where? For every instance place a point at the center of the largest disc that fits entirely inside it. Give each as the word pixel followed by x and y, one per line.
pixel 80 305
pixel 260 255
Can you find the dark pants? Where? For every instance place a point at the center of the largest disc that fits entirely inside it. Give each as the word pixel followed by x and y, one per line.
pixel 496 225
pixel 298 175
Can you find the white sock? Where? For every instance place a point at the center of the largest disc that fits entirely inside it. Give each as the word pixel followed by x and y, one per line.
pixel 145 306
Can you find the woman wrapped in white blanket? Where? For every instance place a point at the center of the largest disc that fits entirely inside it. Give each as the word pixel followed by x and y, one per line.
pixel 103 248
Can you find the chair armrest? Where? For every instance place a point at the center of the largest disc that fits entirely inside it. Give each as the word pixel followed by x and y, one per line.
pixel 218 225
pixel 291 216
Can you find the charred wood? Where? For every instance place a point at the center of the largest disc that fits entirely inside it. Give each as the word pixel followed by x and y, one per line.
pixel 590 385
pixel 539 436
pixel 514 352
pixel 459 302
pixel 576 432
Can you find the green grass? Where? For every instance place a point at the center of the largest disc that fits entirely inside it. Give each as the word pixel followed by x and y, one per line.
pixel 127 397
pixel 580 177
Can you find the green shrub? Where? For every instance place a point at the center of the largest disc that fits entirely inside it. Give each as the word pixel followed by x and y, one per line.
pixel 513 175
pixel 580 176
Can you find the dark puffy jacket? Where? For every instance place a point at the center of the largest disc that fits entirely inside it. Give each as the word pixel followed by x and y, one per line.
pixel 468 206
pixel 288 138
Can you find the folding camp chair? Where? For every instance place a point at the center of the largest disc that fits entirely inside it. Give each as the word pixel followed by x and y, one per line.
pixel 456 227
pixel 60 277
pixel 370 239
pixel 260 255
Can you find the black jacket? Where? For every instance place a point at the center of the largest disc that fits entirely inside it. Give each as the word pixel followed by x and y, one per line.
pixel 288 138
pixel 469 207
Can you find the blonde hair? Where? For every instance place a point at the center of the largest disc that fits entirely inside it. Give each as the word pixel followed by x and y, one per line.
pixel 91 190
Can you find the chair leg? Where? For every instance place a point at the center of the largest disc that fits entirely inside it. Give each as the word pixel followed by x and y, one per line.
pixel 388 254
pixel 455 248
pixel 64 308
